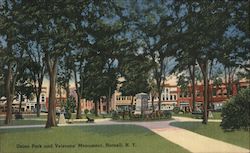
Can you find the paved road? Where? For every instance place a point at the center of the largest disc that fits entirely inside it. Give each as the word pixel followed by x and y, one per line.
pixel 191 141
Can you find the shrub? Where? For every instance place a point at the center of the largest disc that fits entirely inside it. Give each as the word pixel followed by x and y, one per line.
pixel 235 113
pixel 69 107
pixel 167 114
pixel 115 115
pixel 86 111
pixel 176 110
pixel 68 114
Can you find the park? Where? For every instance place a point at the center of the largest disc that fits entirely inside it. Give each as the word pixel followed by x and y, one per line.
pixel 124 76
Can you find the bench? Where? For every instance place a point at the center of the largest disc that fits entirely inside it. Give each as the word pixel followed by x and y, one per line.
pixel 197 114
pixel 90 120
pixel 18 116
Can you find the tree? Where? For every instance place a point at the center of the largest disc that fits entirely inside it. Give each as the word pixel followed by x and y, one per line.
pixel 183 82
pixel 187 61
pixel 37 69
pixel 24 86
pixel 102 51
pixel 135 70
pixel 93 79
pixel 201 17
pixel 65 69
pixel 153 91
pixel 157 28
pixel 56 29
pixel 12 49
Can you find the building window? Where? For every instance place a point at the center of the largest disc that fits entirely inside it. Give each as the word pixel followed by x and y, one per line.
pixel 171 97
pixel 43 98
pixel 174 97
pixel 214 91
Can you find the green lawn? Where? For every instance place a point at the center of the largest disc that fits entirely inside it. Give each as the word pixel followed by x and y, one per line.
pixel 213 130
pixel 217 115
pixel 23 122
pixel 76 139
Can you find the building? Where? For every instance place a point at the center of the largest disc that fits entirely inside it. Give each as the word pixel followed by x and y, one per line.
pixel 217 95
pixel 168 98
pixel 27 104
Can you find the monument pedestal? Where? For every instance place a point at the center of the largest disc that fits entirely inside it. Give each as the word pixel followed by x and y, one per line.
pixel 62 119
pixel 210 114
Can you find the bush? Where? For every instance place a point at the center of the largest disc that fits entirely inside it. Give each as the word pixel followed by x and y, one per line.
pixel 167 114
pixel 176 110
pixel 115 115
pixel 86 111
pixel 69 107
pixel 68 114
pixel 235 113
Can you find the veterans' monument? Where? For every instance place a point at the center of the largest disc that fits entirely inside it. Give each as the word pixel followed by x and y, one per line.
pixel 141 106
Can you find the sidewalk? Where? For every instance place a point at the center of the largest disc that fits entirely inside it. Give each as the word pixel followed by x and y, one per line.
pixel 197 143
pixel 184 119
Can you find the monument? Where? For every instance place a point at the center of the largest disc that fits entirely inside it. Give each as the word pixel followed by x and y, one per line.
pixel 141 106
pixel 61 119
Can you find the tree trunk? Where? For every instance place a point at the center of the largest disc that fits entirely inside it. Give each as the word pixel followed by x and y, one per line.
pixel 20 103
pixel 204 69
pixel 67 90
pixel 205 80
pixel 38 93
pixel 192 74
pixel 99 105
pixel 131 106
pixel 78 113
pixel 152 101
pixel 159 100
pixel 226 82
pixel 51 119
pixel 210 88
pixel 38 108
pixel 96 107
pixel 9 95
pixel 109 101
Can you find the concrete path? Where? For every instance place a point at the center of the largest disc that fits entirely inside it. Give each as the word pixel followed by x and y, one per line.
pixel 191 141
pixel 184 119
pixel 194 142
